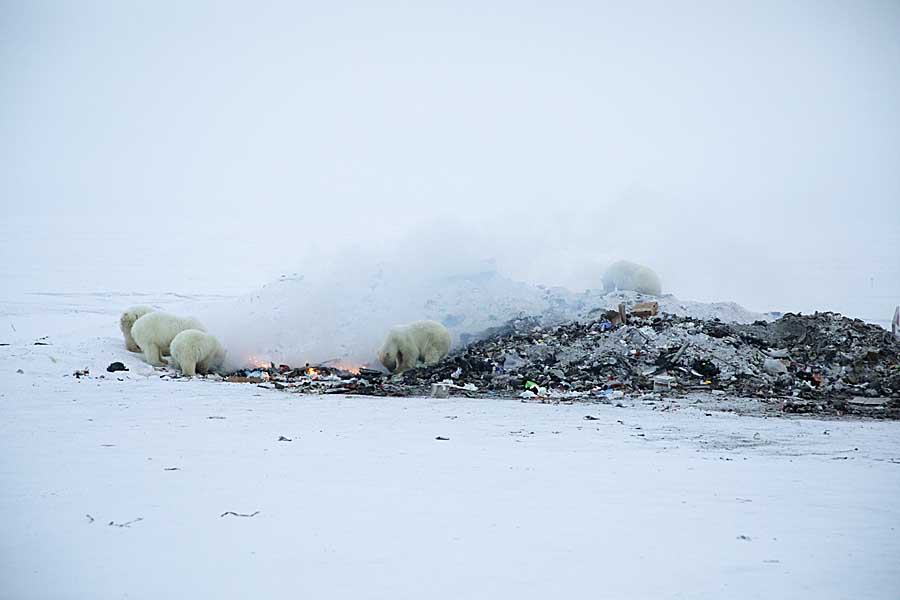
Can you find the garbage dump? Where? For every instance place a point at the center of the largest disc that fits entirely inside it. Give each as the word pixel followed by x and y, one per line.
pixel 824 363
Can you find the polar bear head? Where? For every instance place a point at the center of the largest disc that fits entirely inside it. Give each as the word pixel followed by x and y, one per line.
pixel 126 321
pixel 391 355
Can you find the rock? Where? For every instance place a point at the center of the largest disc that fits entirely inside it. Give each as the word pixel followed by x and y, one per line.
pixel 116 366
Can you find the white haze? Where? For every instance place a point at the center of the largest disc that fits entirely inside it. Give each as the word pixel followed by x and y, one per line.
pixel 747 151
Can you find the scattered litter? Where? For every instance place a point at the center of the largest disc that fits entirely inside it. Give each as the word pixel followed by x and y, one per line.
pixel 215 417
pixel 20 371
pixel 442 439
pixel 90 518
pixel 745 538
pixel 591 418
pixel 281 438
pixel 862 401
pixel 81 373
pixel 116 366
pixel 172 469
pixel 237 514
pixel 243 379
pixel 126 524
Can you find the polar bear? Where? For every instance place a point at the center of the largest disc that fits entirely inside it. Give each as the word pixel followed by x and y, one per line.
pixel 155 331
pixel 405 345
pixel 625 275
pixel 126 321
pixel 194 351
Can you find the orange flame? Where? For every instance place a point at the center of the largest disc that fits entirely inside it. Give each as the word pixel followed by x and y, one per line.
pixel 345 366
pixel 312 372
pixel 258 362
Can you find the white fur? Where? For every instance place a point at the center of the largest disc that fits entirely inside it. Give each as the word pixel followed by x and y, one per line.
pixel 126 321
pixel 405 345
pixel 625 275
pixel 155 331
pixel 194 351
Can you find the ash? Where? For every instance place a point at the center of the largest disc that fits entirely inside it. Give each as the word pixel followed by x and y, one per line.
pixel 821 363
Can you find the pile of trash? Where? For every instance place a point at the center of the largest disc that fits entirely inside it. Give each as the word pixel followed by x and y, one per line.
pixel 809 363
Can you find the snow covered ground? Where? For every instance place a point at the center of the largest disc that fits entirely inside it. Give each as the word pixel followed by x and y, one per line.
pixel 114 486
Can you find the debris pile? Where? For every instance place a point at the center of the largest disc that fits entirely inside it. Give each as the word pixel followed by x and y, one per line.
pixel 811 363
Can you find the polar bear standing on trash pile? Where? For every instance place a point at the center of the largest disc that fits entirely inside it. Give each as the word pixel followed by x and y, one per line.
pixel 126 322
pixel 405 345
pixel 625 275
pixel 155 331
pixel 194 351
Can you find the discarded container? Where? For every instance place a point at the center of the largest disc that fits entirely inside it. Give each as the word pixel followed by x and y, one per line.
pixel 664 382
pixel 440 390
pixel 645 310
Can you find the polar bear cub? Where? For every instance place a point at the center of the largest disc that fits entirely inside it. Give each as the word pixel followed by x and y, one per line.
pixel 126 322
pixel 155 331
pixel 625 275
pixel 194 351
pixel 405 345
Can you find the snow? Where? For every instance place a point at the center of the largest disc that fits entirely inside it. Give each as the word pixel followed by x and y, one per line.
pixel 523 500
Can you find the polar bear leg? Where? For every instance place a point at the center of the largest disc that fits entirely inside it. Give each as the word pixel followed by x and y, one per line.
pixel 189 368
pixel 130 344
pixel 203 368
pixel 151 355
pixel 406 361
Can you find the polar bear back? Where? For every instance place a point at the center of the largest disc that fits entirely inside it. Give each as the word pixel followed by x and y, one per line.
pixel 626 275
pixel 126 322
pixel 195 350
pixel 160 328
pixel 406 345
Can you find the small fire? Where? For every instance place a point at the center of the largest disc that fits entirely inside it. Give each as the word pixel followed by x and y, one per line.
pixel 259 363
pixel 345 366
pixel 312 372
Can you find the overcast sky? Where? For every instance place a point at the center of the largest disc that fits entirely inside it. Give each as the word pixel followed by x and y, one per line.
pixel 748 151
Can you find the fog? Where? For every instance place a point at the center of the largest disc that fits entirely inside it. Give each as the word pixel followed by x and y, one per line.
pixel 746 151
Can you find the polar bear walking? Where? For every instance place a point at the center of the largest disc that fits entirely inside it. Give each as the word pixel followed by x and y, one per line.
pixel 625 275
pixel 155 331
pixel 126 322
pixel 406 345
pixel 194 351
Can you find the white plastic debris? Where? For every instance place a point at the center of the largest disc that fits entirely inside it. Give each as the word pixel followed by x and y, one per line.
pixel 774 367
